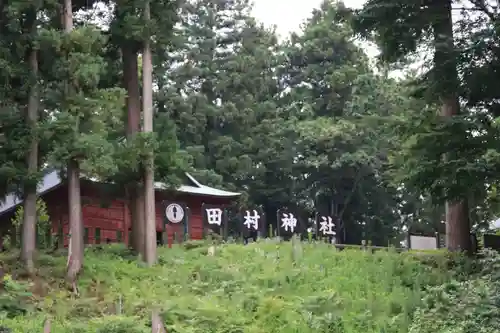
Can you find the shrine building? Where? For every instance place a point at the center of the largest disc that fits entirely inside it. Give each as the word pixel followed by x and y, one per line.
pixel 106 217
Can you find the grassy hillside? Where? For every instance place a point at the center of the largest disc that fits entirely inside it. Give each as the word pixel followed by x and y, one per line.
pixel 259 288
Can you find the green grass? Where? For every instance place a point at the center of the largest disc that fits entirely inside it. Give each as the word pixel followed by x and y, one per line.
pixel 260 288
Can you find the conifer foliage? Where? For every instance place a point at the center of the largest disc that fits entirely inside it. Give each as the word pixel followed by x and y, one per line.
pixel 134 92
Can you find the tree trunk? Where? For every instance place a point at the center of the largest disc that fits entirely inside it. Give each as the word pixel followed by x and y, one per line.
pixel 456 212
pixel 457 226
pixel 131 84
pixel 76 246
pixel 457 215
pixel 149 193
pixel 67 18
pixel 30 196
pixel 141 230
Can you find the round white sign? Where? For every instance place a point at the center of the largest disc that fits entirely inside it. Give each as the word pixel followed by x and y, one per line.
pixel 174 213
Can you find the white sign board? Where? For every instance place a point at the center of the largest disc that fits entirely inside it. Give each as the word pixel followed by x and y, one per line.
pixel 423 243
pixel 174 213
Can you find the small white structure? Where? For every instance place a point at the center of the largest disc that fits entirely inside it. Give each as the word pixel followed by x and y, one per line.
pixel 423 242
pixel 495 224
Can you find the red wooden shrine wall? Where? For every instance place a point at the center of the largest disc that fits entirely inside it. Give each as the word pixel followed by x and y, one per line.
pixel 110 221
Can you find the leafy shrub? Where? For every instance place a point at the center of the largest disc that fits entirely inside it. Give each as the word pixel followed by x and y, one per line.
pixel 43 227
pixel 266 286
pixel 13 298
pixel 121 325
pixel 109 324
pixel 467 306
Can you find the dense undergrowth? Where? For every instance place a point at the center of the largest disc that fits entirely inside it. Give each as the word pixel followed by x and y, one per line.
pixel 258 288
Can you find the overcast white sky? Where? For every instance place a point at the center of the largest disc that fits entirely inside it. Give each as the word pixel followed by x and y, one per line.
pixel 287 15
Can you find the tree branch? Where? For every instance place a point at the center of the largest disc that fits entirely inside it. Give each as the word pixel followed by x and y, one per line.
pixel 483 7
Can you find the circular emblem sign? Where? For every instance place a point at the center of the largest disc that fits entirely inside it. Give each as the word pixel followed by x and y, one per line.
pixel 174 213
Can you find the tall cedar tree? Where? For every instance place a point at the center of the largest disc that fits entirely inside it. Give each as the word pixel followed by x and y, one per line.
pixel 30 187
pixel 82 115
pixel 132 30
pixel 149 191
pixel 126 38
pixel 76 246
pixel 401 27
pixel 19 95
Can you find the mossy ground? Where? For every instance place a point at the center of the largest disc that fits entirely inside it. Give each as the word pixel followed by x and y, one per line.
pixel 264 287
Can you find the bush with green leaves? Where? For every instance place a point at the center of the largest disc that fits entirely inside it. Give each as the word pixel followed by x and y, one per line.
pixel 43 227
pixel 463 305
pixel 261 287
pixel 110 324
pixel 14 298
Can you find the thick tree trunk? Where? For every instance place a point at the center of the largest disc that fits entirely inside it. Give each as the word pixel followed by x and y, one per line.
pixel 457 214
pixel 149 192
pixel 28 245
pixel 30 196
pixel 76 246
pixel 131 84
pixel 67 18
pixel 458 226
